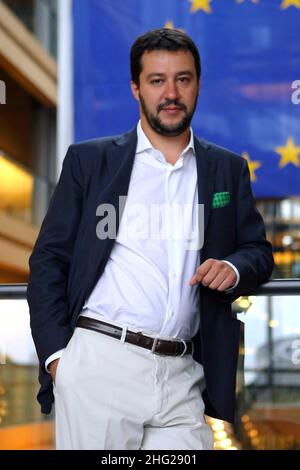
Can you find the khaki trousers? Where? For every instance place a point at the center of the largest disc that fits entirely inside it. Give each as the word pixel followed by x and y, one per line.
pixel 111 395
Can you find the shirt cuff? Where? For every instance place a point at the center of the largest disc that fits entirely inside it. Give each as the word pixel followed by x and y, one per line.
pixel 237 275
pixel 51 358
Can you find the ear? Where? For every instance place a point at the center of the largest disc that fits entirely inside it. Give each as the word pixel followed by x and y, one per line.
pixel 135 90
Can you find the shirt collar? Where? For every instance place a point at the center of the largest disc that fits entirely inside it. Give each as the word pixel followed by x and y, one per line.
pixel 143 143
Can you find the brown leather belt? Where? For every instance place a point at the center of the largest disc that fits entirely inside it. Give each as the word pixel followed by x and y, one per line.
pixel 156 345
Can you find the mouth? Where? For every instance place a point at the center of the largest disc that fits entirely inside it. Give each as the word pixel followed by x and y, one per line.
pixel 172 109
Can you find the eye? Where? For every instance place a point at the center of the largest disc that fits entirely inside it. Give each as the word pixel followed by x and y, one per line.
pixel 184 79
pixel 156 81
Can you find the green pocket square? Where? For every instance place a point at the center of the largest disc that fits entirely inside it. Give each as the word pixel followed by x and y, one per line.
pixel 220 200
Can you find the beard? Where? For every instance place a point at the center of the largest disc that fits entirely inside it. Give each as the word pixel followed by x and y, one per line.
pixel 168 130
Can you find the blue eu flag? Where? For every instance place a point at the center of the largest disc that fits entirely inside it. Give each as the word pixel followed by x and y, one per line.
pixel 250 87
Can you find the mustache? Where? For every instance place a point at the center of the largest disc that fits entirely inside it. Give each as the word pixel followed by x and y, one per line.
pixel 171 103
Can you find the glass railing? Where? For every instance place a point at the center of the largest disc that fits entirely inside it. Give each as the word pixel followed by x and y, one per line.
pixel 268 414
pixel 268 393
pixel 22 426
pixel 282 220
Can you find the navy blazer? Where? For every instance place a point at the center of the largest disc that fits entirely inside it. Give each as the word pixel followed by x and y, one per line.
pixel 68 258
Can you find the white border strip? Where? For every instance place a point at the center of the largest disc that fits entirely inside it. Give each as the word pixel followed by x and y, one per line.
pixel 65 81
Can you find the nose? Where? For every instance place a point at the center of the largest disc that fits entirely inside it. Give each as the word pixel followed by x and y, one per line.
pixel 171 92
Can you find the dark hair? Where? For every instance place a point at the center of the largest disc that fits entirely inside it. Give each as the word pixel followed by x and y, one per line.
pixel 161 39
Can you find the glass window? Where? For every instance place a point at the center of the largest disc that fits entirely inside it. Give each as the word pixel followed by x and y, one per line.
pixel 22 426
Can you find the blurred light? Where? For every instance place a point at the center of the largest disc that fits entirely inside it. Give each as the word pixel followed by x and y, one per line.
pixel 220 435
pixel 253 433
pixel 284 257
pixel 244 303
pixel 16 185
pixel 218 426
pixel 249 351
pixel 287 240
pixel 245 419
pixel 255 441
pixel 273 323
pixel 248 426
pixel 225 443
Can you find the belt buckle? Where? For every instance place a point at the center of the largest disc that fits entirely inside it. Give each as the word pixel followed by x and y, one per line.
pixel 185 348
pixel 154 345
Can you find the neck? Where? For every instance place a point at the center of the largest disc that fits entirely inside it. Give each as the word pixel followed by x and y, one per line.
pixel 171 147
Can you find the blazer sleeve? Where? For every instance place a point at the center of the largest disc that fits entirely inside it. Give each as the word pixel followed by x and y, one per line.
pixel 253 255
pixel 50 260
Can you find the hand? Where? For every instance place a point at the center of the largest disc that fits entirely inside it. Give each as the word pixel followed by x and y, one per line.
pixel 214 274
pixel 52 368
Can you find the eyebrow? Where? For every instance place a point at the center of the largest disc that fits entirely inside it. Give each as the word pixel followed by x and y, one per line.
pixel 158 74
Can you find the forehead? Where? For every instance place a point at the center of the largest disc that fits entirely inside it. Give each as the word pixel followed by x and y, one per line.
pixel 163 61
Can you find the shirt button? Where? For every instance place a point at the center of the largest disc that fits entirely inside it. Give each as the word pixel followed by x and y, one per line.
pixel 171 312
pixel 174 275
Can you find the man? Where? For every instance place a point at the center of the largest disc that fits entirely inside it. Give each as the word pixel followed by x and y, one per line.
pixel 133 329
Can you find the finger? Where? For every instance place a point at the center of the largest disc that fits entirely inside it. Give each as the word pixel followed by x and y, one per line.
pixel 217 281
pixel 203 269
pixel 222 272
pixel 226 284
pixel 229 280
pixel 212 274
pixel 193 281
pixel 221 283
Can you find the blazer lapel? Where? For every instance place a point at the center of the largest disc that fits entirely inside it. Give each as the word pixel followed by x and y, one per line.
pixel 206 169
pixel 120 159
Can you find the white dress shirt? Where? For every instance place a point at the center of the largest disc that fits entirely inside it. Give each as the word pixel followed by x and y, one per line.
pixel 145 283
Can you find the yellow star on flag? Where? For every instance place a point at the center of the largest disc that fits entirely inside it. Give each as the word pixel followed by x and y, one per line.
pixel 289 154
pixel 290 3
pixel 201 5
pixel 252 164
pixel 169 24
